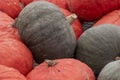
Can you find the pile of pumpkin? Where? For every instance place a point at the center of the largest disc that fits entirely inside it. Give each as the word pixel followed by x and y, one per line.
pixel 59 40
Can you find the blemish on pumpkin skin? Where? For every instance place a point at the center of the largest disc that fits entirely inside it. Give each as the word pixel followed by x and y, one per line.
pixel 58 70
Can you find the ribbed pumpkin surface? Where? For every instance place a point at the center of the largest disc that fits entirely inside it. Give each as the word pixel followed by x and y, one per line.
pixel 64 69
pixel 8 73
pixel 61 3
pixel 11 7
pixel 25 2
pixel 91 10
pixel 111 71
pixel 14 53
pixel 6 26
pixel 111 18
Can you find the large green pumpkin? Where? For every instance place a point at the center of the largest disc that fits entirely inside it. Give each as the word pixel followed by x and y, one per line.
pixel 46 31
pixel 111 71
pixel 98 46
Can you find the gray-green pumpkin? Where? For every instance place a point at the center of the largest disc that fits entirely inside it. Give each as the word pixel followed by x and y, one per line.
pixel 98 46
pixel 46 31
pixel 111 71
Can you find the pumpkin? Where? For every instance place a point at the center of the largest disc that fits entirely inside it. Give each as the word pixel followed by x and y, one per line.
pixel 111 71
pixel 25 2
pixel 6 25
pixel 111 18
pixel 91 10
pixel 98 46
pixel 46 31
pixel 14 53
pixel 8 73
pixel 11 7
pixel 9 35
pixel 76 25
pixel 61 69
pixel 61 3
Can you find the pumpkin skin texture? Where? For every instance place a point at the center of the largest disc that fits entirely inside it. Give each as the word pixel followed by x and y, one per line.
pixel 8 73
pixel 61 3
pixel 90 10
pixel 5 20
pixel 76 25
pixel 25 2
pixel 111 18
pixel 14 53
pixel 6 26
pixel 11 7
pixel 55 69
pixel 98 46
pixel 111 71
pixel 46 31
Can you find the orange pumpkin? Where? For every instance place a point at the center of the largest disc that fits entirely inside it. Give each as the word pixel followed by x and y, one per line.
pixel 111 18
pixel 25 2
pixel 8 73
pixel 14 53
pixel 60 3
pixel 11 7
pixel 61 69
pixel 91 10
pixel 6 25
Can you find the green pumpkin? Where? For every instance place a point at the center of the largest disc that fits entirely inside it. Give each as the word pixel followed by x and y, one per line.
pixel 98 46
pixel 46 31
pixel 111 71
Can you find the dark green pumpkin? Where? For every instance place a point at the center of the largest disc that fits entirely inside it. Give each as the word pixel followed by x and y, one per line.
pixel 46 31
pixel 111 71
pixel 98 46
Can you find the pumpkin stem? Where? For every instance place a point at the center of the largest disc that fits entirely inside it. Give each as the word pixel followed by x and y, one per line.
pixel 71 18
pixel 50 62
pixel 117 58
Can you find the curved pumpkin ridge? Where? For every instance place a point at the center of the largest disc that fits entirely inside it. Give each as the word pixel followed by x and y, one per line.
pixel 25 2
pixel 117 21
pixel 15 54
pixel 85 9
pixel 6 25
pixel 85 73
pixel 90 10
pixel 63 70
pixel 107 5
pixel 5 20
pixel 11 7
pixel 8 73
pixel 110 71
pixel 60 3
pixel 111 18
